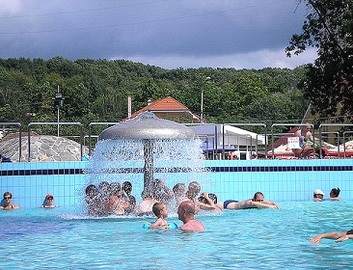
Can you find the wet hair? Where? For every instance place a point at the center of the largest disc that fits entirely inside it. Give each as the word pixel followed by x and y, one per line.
pixel 104 187
pixel 127 186
pixel 335 192
pixel 202 199
pixel 213 197
pixel 114 187
pixel 195 186
pixel 179 188
pixel 7 194
pixel 89 188
pixel 157 208
pixel 258 193
pixel 147 194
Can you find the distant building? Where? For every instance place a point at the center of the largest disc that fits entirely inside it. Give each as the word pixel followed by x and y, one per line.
pixel 170 109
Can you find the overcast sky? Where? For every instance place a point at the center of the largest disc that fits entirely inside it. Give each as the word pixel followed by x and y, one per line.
pixel 166 33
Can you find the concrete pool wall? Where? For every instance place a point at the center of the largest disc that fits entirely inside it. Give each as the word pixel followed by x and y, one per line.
pixel 279 180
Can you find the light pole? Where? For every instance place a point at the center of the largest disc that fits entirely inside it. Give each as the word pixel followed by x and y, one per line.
pixel 202 90
pixel 59 102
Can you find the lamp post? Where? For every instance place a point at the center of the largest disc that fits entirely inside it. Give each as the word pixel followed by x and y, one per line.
pixel 59 102
pixel 202 90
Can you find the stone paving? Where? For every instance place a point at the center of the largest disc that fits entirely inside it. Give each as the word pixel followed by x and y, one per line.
pixel 43 148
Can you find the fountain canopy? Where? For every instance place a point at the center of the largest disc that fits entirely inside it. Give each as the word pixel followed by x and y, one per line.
pixel 147 126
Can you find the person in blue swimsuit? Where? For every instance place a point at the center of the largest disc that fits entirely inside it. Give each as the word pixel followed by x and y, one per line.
pixel 258 201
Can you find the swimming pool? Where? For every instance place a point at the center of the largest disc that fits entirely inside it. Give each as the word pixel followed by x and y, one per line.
pixel 63 238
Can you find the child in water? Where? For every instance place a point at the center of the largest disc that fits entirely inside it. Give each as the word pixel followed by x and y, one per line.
pixel 161 212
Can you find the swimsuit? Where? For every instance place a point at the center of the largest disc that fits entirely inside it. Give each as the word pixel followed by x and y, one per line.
pixel 227 202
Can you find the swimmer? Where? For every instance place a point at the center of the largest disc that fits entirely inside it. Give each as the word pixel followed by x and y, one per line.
pixel 318 195
pixel 7 202
pixel 258 201
pixel 207 201
pixel 179 191
pixel 192 193
pixel 334 194
pixel 144 208
pixel 116 204
pixel 161 212
pixel 48 202
pixel 337 236
pixel 186 213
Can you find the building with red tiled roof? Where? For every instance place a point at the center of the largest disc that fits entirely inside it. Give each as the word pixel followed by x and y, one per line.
pixel 170 109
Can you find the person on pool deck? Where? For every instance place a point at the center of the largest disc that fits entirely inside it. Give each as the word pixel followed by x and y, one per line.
pixel 7 202
pixel 334 194
pixel 258 201
pixel 337 236
pixel 48 202
pixel 186 214
pixel 161 212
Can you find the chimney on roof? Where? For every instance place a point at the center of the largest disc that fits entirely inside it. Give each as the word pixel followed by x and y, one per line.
pixel 149 102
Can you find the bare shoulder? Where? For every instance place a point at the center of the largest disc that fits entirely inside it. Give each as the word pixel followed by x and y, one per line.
pixel 193 226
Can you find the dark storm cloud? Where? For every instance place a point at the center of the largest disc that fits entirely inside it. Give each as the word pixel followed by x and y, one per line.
pixel 152 32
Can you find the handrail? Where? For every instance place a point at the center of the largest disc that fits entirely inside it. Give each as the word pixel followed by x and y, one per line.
pixel 56 124
pixel 333 125
pixel 338 139
pixel 344 142
pixel 90 131
pixel 19 135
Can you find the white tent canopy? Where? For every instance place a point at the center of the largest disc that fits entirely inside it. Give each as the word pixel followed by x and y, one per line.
pixel 227 136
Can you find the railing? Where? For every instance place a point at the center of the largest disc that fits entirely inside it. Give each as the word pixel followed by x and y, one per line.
pixel 217 136
pixel 344 134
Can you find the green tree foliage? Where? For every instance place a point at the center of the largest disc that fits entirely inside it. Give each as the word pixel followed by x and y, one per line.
pixel 98 90
pixel 328 84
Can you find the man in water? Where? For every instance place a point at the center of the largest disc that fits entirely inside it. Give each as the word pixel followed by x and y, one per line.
pixel 258 201
pixel 186 213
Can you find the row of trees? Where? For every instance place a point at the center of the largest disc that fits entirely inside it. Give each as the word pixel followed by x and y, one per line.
pixel 97 90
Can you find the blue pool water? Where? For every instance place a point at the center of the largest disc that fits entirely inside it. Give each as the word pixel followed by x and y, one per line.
pixel 63 238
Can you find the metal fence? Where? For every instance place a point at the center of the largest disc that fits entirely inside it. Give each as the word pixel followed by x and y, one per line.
pixel 218 140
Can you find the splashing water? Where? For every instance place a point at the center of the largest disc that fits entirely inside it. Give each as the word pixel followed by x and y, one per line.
pixel 114 160
pixel 145 149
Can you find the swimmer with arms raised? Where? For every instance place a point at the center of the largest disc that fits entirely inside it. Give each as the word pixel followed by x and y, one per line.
pixel 186 213
pixel 258 201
